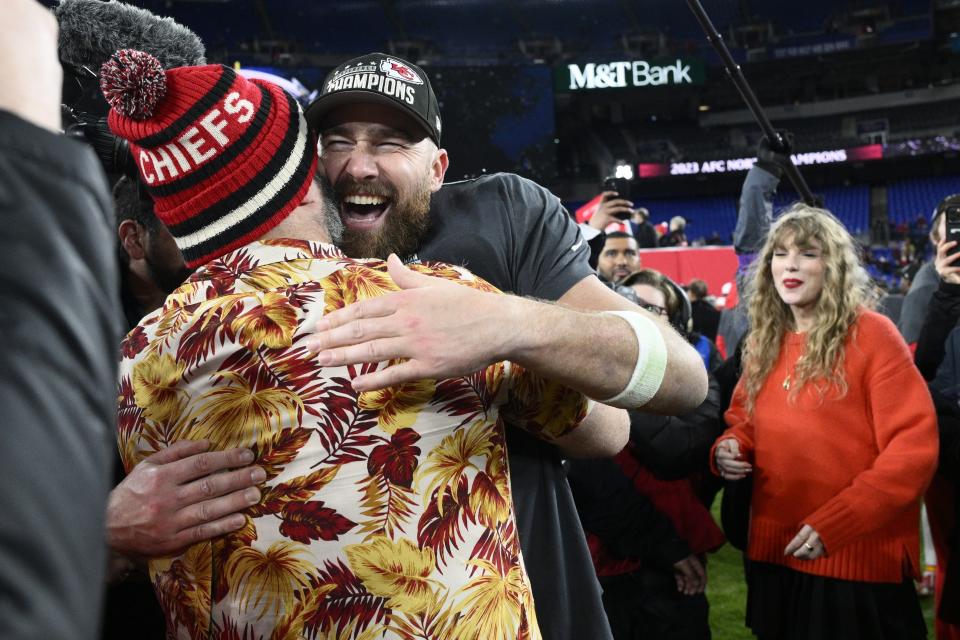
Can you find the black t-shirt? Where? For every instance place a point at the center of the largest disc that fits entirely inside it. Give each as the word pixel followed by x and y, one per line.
pixel 517 236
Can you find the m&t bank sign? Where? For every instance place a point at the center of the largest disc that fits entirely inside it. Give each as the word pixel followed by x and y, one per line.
pixel 629 74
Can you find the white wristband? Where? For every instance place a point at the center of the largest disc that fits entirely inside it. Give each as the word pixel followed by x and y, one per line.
pixel 651 362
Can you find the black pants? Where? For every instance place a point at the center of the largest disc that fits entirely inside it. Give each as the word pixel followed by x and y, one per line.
pixel 645 605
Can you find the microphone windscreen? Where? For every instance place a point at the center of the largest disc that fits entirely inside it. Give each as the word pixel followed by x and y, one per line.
pixel 92 30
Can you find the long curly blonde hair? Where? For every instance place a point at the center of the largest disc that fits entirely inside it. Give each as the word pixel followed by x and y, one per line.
pixel 846 291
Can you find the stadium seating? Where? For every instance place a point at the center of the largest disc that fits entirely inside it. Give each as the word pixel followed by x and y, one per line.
pixel 910 199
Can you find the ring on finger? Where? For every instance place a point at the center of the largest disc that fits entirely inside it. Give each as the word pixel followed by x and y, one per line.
pixel 808 546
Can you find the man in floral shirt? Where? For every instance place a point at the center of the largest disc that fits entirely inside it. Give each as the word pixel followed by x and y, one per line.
pixel 386 510
pixel 382 513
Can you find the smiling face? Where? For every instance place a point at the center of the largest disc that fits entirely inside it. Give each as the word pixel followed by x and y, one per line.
pixel 798 273
pixel 383 169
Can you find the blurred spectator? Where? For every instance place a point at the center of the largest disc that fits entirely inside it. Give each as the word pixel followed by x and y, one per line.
pixel 618 257
pixel 606 213
pixel 919 231
pixel 754 215
pixel 652 571
pixel 151 264
pixel 925 281
pixel 636 550
pixel 642 230
pixel 151 267
pixel 646 285
pixel 890 303
pixel 676 236
pixel 938 351
pixel 706 318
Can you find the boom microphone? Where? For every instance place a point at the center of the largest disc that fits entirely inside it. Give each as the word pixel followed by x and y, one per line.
pixel 779 144
pixel 91 31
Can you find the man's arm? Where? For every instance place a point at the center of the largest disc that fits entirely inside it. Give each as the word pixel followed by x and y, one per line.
pixel 602 434
pixel 445 330
pixel 755 212
pixel 684 384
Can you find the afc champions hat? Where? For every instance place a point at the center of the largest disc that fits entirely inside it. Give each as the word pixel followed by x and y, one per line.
pixel 381 79
pixel 225 159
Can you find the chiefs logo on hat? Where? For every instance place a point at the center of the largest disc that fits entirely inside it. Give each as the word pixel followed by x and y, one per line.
pixel 399 71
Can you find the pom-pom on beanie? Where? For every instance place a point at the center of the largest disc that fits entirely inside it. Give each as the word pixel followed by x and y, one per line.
pixel 224 158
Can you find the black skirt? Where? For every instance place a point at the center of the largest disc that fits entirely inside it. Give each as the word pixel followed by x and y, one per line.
pixel 783 604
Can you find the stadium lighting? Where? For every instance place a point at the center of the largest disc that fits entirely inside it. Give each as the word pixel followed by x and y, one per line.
pixel 623 170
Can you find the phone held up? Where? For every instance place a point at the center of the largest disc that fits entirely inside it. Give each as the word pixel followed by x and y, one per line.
pixel 620 186
pixel 952 215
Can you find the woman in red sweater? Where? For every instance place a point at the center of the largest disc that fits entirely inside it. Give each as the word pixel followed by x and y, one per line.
pixel 838 429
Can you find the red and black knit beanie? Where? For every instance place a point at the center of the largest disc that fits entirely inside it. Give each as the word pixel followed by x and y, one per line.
pixel 225 158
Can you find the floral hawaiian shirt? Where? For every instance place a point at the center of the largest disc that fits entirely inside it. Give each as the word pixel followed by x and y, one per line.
pixel 385 514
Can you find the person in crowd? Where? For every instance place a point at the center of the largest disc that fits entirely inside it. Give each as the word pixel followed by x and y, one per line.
pixel 612 214
pixel 642 564
pixel 677 234
pixel 706 318
pixel 517 236
pixel 925 281
pixel 754 216
pixel 833 543
pixel 532 248
pixel 653 583
pixel 665 401
pixel 891 302
pixel 649 284
pixel 618 257
pixel 61 327
pixel 936 356
pixel 151 265
pixel 714 239
pixel 356 480
pixel 642 230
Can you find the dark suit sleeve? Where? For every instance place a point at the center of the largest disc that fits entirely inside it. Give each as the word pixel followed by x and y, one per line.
pixel 60 325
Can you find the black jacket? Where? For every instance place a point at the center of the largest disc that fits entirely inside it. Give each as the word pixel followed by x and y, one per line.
pixel 673 447
pixel 940 321
pixel 625 521
pixel 59 322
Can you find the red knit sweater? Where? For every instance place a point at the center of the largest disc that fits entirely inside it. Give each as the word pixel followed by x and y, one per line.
pixel 853 468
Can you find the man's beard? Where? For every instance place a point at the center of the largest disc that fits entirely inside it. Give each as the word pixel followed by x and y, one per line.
pixel 401 230
pixel 331 209
pixel 165 277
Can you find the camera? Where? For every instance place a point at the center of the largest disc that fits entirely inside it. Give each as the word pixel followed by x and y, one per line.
pixel 620 186
pixel 112 151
